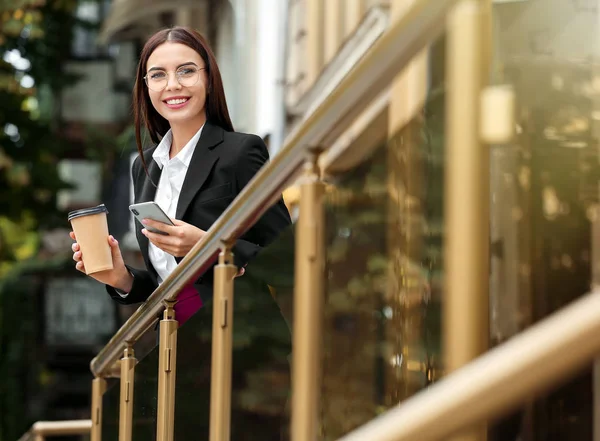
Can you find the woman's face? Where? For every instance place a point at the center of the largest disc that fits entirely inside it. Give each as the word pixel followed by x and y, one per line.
pixel 177 103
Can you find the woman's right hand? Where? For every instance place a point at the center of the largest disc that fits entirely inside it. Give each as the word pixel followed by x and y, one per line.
pixel 119 277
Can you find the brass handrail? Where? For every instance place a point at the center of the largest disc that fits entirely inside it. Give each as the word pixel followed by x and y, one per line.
pixel 529 363
pixel 43 429
pixel 422 24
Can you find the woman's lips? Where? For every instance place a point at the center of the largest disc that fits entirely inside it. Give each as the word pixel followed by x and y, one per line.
pixel 177 102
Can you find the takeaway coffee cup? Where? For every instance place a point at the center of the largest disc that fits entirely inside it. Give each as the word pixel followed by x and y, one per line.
pixel 91 232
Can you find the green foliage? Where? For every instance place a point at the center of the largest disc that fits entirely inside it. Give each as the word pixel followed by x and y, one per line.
pixel 34 40
pixel 36 33
pixel 20 364
pixel 18 240
pixel 17 16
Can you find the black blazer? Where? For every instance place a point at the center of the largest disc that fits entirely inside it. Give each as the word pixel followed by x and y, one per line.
pixel 221 166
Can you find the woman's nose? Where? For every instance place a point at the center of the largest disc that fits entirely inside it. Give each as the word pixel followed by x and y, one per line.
pixel 173 82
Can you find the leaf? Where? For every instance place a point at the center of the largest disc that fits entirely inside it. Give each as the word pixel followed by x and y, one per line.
pixel 377 263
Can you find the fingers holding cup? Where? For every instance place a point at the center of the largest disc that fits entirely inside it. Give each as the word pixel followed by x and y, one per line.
pixel 79 266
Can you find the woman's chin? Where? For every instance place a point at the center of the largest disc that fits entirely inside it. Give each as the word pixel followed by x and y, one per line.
pixel 180 115
pixel 177 116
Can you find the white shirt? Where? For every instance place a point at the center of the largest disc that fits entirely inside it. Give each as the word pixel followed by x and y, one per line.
pixel 168 191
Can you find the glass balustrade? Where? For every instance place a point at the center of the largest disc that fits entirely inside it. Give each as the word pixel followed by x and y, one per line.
pixel 261 360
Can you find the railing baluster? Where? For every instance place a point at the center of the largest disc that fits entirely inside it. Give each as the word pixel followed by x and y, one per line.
pixel 466 328
pixel 308 305
pixel 98 389
pixel 222 340
pixel 128 363
pixel 167 362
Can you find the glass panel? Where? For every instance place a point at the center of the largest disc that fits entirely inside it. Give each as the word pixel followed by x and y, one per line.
pixel 110 410
pixel 384 264
pixel 145 395
pixel 544 192
pixel 262 346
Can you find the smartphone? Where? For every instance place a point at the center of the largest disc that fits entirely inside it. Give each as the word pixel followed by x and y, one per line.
pixel 150 210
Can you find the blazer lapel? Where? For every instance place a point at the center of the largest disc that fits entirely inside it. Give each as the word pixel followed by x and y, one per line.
pixel 149 184
pixel 147 193
pixel 203 159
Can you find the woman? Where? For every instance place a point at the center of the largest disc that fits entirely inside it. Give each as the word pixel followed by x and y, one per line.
pixel 197 168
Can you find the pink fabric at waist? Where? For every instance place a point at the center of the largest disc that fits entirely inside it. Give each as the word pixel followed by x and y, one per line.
pixel 188 303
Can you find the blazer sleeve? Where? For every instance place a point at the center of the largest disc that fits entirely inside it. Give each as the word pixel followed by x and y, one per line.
pixel 254 156
pixel 143 285
pixel 143 282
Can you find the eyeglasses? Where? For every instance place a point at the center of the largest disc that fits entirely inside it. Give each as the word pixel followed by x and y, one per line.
pixel 187 76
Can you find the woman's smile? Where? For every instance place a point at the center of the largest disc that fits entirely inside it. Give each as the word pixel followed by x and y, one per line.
pixel 177 102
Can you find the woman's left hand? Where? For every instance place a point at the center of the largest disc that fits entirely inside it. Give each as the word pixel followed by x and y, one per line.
pixel 180 237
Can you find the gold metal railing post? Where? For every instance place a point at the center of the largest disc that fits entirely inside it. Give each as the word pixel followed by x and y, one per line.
pixel 466 329
pixel 308 305
pixel 128 363
pixel 222 341
pixel 167 361
pixel 98 389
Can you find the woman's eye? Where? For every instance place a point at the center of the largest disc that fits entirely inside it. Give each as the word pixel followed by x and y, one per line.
pixel 187 71
pixel 158 75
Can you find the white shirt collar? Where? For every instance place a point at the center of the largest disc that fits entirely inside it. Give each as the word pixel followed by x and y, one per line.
pixel 161 153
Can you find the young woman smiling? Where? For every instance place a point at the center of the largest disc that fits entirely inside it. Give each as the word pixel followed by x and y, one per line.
pixel 197 166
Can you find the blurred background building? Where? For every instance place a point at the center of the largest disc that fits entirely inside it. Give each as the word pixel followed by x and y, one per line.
pixel 279 60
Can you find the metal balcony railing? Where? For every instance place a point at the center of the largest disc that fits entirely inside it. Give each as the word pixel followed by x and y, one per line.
pixel 561 343
pixel 372 76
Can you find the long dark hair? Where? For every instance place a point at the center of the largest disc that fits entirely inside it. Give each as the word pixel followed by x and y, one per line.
pixel 143 110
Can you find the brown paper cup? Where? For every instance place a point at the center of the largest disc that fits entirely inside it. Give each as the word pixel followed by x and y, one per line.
pixel 91 232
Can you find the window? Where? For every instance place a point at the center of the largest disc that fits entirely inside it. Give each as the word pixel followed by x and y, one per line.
pixel 91 13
